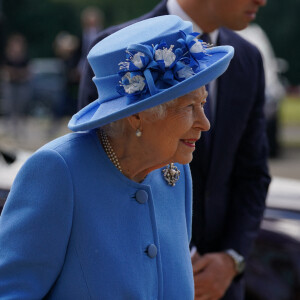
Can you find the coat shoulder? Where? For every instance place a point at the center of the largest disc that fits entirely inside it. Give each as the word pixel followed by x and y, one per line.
pixel 241 46
pixel 159 10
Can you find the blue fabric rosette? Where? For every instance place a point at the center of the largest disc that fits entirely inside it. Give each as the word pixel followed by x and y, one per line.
pixel 151 69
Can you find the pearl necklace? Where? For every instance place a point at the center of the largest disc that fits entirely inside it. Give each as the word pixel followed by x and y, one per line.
pixel 108 149
pixel 171 173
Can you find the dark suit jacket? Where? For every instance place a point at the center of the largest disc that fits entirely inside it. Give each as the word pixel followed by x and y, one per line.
pixel 229 194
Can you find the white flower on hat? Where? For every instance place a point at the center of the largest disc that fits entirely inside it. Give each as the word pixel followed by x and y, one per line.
pixel 186 72
pixel 135 83
pixel 197 47
pixel 137 61
pixel 165 54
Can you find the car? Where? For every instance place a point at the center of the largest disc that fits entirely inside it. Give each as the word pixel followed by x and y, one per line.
pixel 273 269
pixel 3 196
pixel 10 163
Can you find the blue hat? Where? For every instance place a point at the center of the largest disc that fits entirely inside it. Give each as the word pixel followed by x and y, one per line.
pixel 146 64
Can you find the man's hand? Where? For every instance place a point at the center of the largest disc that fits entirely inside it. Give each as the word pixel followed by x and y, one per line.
pixel 213 274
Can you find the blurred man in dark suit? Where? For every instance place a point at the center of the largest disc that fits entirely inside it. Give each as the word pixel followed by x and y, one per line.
pixel 229 169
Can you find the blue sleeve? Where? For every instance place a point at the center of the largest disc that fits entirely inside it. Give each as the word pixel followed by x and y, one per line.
pixel 188 199
pixel 35 227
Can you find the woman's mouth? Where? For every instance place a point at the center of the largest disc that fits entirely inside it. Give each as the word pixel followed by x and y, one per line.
pixel 190 143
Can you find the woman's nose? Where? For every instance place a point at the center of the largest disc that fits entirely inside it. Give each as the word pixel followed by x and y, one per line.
pixel 202 122
pixel 261 2
pixel 205 124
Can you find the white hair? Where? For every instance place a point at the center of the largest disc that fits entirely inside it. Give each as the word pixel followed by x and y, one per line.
pixel 116 128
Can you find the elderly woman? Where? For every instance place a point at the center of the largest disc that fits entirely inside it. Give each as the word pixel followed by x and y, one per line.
pixel 105 213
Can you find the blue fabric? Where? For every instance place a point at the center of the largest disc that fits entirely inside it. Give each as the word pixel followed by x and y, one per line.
pixel 72 229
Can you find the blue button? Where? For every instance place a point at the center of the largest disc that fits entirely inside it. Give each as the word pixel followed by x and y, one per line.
pixel 141 196
pixel 152 250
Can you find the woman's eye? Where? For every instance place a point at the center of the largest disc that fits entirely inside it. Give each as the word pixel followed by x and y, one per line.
pixel 188 106
pixel 192 107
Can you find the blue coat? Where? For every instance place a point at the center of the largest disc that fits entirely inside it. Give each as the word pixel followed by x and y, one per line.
pixel 74 227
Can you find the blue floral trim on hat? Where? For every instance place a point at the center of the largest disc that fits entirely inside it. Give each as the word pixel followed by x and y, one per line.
pixel 151 69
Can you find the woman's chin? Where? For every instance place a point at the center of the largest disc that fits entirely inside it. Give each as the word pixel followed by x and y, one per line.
pixel 185 160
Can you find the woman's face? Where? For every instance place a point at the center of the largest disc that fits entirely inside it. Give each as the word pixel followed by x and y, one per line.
pixel 173 138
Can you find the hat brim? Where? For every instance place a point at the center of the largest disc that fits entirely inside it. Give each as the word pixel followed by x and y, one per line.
pixel 98 114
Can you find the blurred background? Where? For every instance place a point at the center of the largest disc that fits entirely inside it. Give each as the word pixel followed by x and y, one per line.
pixel 43 44
pixel 42 47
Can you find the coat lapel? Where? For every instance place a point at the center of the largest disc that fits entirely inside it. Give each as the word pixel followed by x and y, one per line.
pixel 222 128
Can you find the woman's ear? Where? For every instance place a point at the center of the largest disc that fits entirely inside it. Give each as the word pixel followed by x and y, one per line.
pixel 135 121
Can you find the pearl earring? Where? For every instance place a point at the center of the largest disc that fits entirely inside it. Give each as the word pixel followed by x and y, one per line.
pixel 138 133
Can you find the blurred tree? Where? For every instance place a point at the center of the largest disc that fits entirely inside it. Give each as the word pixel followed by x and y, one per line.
pixel 2 32
pixel 116 11
pixel 40 21
pixel 280 20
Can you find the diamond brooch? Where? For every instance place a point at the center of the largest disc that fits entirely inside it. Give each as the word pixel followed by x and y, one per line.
pixel 171 174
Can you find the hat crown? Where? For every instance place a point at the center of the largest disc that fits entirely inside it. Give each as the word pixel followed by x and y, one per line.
pixel 105 56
